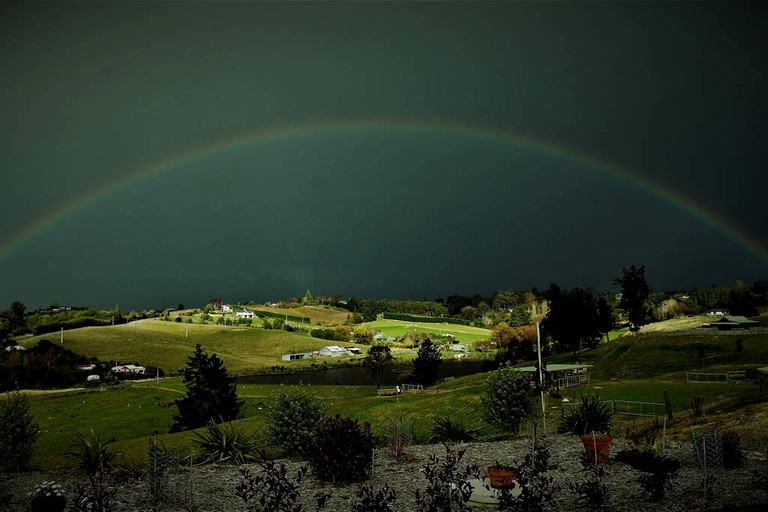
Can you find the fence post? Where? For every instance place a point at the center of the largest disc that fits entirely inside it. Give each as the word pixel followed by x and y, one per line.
pixel 668 404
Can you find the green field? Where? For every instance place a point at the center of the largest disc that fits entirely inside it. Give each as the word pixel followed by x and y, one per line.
pixel 399 328
pixel 631 368
pixel 168 344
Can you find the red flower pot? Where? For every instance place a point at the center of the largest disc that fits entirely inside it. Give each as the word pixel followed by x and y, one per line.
pixel 501 478
pixel 597 447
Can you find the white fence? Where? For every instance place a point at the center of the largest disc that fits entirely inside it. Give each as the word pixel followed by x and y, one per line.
pixel 715 378
pixel 630 408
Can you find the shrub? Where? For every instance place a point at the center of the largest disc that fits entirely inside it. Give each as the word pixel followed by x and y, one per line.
pixel 732 453
pixel 448 487
pixel 367 499
pixel 507 399
pixel 292 418
pixel 47 497
pixel 227 443
pixel 18 432
pixel 341 450
pixel 398 434
pixel 592 415
pixel 161 461
pixel 92 454
pixel 592 492
pixel 537 490
pixel 660 472
pixel 446 430
pixel 271 490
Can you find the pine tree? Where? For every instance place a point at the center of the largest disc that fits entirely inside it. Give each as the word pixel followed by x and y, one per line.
pixel 211 393
pixel 634 296
pixel 426 366
pixel 18 432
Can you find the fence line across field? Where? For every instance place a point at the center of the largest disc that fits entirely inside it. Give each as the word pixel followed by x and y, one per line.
pixel 715 378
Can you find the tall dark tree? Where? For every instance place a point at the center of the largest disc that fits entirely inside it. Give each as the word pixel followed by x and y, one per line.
pixel 426 366
pixel 211 393
pixel 605 318
pixel 634 296
pixel 573 322
pixel 16 319
pixel 377 360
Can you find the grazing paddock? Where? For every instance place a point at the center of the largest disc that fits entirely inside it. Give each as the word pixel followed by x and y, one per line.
pixel 460 333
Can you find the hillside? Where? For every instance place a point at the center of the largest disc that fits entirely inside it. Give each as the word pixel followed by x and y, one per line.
pixel 168 344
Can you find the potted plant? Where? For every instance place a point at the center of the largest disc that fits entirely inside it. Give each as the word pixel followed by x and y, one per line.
pixel 501 476
pixel 591 420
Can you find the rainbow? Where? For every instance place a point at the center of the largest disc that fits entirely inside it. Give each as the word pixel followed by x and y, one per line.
pixel 675 198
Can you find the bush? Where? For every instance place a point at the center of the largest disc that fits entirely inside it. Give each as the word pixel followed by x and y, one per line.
pixel 367 499
pixel 18 432
pixel 342 450
pixel 446 430
pixel 161 461
pixel 226 443
pixel 448 487
pixel 592 415
pixel 507 399
pixel 272 490
pixel 292 418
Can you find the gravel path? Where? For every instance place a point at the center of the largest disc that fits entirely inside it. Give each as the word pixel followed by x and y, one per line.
pixel 211 488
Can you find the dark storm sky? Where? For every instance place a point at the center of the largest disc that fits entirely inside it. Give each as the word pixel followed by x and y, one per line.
pixel 92 93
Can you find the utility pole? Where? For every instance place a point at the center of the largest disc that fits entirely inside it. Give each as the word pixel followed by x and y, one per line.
pixel 541 380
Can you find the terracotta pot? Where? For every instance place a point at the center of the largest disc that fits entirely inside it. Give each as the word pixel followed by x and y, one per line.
pixel 501 478
pixel 597 447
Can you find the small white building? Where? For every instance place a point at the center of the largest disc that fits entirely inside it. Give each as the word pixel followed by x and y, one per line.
pixel 245 314
pixel 333 351
pixel 226 309
pixel 128 368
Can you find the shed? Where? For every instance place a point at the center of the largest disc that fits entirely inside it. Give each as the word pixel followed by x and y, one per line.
pixel 732 322
pixel 333 351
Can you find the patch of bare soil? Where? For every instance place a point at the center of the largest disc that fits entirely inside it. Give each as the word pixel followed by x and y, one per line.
pixel 211 488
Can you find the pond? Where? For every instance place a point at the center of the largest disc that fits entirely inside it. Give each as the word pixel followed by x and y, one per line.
pixel 355 376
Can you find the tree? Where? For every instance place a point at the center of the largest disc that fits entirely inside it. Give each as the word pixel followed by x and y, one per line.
pixel 376 362
pixel 634 296
pixel 573 319
pixel 426 366
pixel 507 399
pixel 18 432
pixel 292 418
pixel 211 393
pixel 18 324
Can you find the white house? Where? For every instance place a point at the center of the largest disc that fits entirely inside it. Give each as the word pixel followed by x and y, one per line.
pixel 245 314
pixel 227 309
pixel 128 368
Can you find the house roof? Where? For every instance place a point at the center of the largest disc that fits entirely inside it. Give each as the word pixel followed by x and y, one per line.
pixel 736 320
pixel 556 367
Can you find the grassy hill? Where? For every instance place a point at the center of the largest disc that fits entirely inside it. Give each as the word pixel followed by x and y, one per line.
pixel 168 344
pixel 317 314
pixel 461 333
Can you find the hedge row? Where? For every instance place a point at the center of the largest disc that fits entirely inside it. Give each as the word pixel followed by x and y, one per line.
pixel 426 319
pixel 292 318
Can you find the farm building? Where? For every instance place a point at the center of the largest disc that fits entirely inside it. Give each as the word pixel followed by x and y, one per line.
pixel 728 323
pixel 333 351
pixel 245 314
pixel 128 368
pixel 296 357
pixel 563 375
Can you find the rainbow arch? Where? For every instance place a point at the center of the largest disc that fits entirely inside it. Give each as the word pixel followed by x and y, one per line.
pixel 566 153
